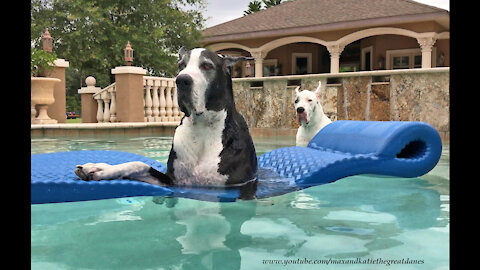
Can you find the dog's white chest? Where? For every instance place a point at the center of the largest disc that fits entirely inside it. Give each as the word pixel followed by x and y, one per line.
pixel 198 146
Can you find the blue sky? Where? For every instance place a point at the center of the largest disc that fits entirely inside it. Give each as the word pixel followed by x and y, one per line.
pixel 220 11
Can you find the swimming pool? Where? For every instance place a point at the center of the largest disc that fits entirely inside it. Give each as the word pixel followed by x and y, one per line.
pixel 359 222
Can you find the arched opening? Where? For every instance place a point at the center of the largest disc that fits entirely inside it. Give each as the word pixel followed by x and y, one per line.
pixel 296 58
pixel 382 52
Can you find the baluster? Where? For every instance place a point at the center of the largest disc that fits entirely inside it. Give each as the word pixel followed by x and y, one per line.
pixel 106 109
pixel 176 112
pixel 155 101
pixel 148 101
pixel 113 106
pixel 163 102
pixel 169 102
pixel 99 110
pixel 144 111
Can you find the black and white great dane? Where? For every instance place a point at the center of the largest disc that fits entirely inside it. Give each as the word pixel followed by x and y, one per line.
pixel 212 145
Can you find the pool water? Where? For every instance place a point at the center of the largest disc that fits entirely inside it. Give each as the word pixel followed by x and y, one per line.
pixel 359 222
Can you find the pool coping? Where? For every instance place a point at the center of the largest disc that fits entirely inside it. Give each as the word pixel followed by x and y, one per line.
pixel 133 129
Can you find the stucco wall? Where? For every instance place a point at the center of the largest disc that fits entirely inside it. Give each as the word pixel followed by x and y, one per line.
pixel 407 95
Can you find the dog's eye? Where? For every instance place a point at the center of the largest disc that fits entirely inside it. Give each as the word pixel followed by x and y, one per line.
pixel 207 66
pixel 296 100
pixel 309 100
pixel 181 65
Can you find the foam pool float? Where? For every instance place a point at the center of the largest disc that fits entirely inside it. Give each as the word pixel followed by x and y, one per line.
pixel 341 149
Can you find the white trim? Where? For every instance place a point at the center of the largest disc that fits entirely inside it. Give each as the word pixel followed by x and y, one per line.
pixel 61 63
pixel 309 61
pixel 129 70
pixel 228 45
pixel 362 56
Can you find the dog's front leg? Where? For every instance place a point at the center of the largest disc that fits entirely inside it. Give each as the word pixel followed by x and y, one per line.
pixel 134 170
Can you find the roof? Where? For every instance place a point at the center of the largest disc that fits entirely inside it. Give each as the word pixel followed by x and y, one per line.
pixel 305 13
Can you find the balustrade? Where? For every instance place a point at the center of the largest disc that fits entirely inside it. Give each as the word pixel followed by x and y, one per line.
pixel 159 96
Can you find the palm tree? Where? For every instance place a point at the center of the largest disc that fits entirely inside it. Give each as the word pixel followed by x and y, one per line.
pixel 253 6
pixel 271 3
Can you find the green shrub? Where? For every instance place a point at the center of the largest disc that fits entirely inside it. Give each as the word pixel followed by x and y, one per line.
pixel 41 62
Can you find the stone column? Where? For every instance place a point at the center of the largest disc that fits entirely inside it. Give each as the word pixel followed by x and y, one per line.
pixel 258 56
pixel 426 44
pixel 129 87
pixel 89 105
pixel 57 110
pixel 335 51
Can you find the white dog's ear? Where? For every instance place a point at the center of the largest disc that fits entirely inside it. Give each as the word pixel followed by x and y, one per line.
pixel 296 90
pixel 319 89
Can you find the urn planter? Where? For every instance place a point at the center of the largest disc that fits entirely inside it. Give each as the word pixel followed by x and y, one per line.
pixel 42 96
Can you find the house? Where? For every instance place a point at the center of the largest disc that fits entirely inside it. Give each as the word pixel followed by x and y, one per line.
pixel 331 36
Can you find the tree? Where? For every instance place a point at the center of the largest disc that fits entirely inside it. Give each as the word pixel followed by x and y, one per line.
pixel 92 35
pixel 271 3
pixel 253 7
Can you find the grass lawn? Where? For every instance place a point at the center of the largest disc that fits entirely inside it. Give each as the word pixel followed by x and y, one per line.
pixel 76 120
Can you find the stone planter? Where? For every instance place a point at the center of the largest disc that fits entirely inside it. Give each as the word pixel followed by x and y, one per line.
pixel 42 96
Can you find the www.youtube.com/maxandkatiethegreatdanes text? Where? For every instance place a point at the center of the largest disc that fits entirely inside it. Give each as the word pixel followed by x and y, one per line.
pixel 330 261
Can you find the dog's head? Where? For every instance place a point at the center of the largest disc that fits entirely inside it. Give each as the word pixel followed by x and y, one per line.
pixel 204 82
pixel 307 103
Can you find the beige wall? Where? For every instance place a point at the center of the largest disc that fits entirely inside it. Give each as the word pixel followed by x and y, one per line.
pixel 380 45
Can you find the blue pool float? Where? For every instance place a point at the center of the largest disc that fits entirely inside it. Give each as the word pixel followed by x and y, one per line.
pixel 343 148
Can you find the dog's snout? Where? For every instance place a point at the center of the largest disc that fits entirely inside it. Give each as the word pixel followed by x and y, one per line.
pixel 300 110
pixel 184 81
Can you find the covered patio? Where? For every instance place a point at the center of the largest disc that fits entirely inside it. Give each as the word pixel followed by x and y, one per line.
pixel 328 36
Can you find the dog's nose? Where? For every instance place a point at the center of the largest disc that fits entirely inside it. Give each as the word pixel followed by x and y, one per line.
pixel 300 110
pixel 184 81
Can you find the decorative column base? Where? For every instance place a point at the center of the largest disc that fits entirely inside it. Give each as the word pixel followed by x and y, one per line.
pixel 43 117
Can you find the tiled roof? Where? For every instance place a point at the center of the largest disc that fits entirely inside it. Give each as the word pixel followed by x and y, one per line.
pixel 301 13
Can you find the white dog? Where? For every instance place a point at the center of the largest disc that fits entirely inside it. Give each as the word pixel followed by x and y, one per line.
pixel 310 115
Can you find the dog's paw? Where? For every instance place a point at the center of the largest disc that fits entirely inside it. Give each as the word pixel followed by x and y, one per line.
pixel 90 171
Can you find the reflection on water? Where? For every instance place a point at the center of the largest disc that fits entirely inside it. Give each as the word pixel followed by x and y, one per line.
pixel 361 216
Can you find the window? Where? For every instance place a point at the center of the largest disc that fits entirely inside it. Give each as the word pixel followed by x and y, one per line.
pixel 401 62
pixel 270 67
pixel 408 58
pixel 301 63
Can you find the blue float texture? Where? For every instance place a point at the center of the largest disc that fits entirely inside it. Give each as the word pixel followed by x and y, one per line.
pixel 342 148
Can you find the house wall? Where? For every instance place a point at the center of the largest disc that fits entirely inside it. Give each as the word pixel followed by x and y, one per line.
pixel 381 44
pixel 321 57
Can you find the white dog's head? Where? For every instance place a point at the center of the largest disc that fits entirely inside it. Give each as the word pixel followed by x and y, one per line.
pixel 306 104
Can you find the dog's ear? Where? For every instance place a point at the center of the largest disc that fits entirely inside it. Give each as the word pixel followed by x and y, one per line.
pixel 296 90
pixel 318 90
pixel 230 61
pixel 183 50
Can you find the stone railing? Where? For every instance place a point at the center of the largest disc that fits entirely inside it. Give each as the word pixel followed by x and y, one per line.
pixel 159 101
pixel 107 105
pixel 387 95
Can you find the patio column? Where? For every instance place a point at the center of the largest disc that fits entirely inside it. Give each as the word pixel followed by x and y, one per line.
pixel 130 94
pixel 89 105
pixel 335 51
pixel 426 44
pixel 258 56
pixel 57 110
